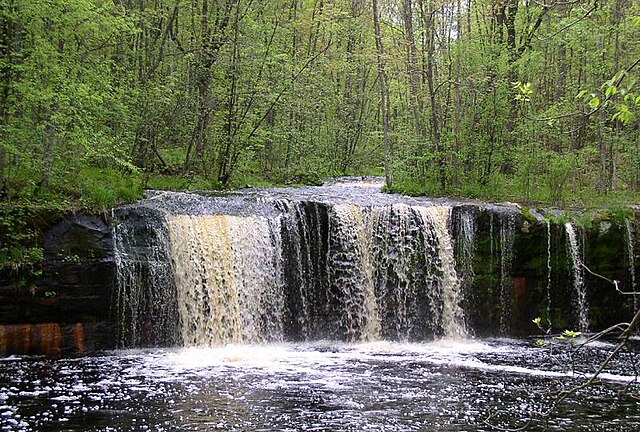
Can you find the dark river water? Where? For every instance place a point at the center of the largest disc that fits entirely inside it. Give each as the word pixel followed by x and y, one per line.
pixel 322 386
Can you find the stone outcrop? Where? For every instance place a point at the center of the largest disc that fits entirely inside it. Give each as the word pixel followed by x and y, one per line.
pixel 63 309
pixel 514 266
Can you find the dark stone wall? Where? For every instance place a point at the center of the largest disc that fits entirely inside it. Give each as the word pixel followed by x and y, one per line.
pixel 605 255
pixel 64 309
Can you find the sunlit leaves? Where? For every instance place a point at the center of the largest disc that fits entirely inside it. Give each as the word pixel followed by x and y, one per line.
pixel 594 103
pixel 524 91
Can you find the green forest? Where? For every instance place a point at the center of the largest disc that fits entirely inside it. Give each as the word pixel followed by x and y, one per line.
pixel 528 100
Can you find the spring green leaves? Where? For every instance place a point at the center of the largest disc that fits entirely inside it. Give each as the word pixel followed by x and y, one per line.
pixel 620 93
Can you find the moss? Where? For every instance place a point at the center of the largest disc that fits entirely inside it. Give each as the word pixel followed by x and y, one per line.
pixel 619 214
pixel 528 216
pixel 407 187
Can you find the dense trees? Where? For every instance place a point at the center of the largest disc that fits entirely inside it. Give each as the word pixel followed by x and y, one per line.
pixel 529 99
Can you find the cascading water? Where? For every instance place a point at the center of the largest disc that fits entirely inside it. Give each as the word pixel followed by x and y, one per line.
pixel 630 243
pixel 465 251
pixel 403 270
pixel 333 262
pixel 148 317
pixel 351 271
pixel 452 321
pixel 577 271
pixel 507 235
pixel 549 268
pixel 228 277
pixel 289 269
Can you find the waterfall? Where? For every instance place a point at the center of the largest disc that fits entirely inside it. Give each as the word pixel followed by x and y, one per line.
pixel 452 321
pixel 548 226
pixel 351 270
pixel 507 233
pixel 336 263
pixel 465 242
pixel 144 317
pixel 579 289
pixel 228 277
pixel 365 273
pixel 305 240
pixel 204 271
pixel 630 242
pixel 398 246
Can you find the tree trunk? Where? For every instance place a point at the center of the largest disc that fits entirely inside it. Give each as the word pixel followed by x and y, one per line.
pixel 417 105
pixel 436 132
pixel 384 93
pixel 209 42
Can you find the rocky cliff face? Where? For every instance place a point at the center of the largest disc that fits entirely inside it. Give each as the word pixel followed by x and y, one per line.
pixel 64 309
pixel 513 266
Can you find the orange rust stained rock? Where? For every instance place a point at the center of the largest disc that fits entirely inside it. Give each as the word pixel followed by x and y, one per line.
pixel 16 338
pixel 49 339
pixel 519 288
pixel 79 338
pixel 31 339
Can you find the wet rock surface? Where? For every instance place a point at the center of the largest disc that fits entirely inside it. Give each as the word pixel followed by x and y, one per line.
pixel 512 265
pixel 63 307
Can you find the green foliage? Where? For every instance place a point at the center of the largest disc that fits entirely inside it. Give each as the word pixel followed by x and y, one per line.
pixel 103 188
pixel 560 169
pixel 408 187
pixel 103 98
pixel 569 334
pixel 524 91
pixel 619 214
pixel 21 252
pixel 526 213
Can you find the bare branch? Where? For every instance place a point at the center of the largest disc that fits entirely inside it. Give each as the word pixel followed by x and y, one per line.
pixel 563 29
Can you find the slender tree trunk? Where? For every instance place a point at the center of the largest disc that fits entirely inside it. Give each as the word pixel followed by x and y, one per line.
pixel 226 157
pixel 436 132
pixel 417 105
pixel 384 94
pixel 457 127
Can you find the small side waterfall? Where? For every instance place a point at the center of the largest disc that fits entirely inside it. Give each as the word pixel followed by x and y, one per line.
pixel 146 317
pixel 465 241
pixel 631 246
pixel 507 233
pixel 549 268
pixel 574 246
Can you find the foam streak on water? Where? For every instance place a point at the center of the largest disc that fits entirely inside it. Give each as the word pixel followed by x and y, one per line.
pixel 380 386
